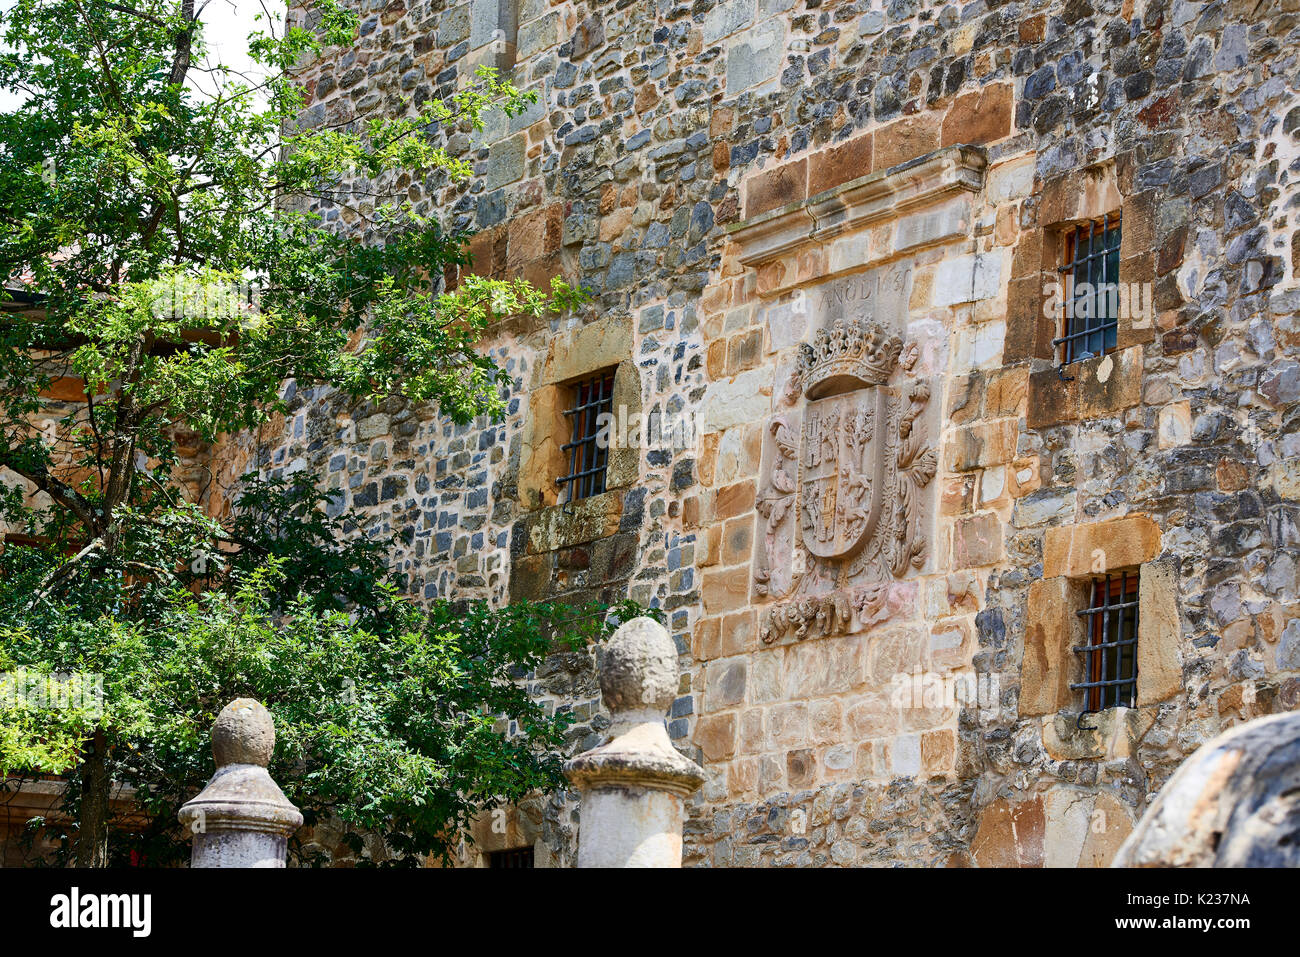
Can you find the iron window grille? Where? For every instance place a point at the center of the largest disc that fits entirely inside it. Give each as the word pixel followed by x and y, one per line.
pixel 1110 655
pixel 588 456
pixel 516 857
pixel 1090 290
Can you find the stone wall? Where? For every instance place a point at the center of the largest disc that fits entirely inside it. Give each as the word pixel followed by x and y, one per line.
pixel 729 180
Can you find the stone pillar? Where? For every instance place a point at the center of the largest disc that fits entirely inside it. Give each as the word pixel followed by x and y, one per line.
pixel 242 818
pixel 634 786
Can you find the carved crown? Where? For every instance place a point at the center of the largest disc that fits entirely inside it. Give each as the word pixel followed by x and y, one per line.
pixel 850 352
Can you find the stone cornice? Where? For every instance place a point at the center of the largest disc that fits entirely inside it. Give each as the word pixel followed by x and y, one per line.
pixel 860 202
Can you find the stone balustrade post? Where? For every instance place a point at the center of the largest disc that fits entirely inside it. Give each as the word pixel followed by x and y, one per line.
pixel 242 818
pixel 634 786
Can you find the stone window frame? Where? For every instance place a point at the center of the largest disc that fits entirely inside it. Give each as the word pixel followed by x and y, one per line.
pixel 511 827
pixel 575 355
pixel 1073 332
pixel 1074 556
pixel 1102 385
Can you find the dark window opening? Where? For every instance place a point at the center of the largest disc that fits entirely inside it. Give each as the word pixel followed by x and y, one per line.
pixel 515 857
pixel 1110 656
pixel 588 448
pixel 1090 290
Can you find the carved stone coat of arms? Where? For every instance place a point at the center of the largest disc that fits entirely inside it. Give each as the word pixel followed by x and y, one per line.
pixel 843 477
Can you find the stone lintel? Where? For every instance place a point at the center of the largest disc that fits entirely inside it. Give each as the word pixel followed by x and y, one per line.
pixel 860 202
pixel 1093 548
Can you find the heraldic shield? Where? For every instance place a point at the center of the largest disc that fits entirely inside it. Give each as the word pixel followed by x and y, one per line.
pixel 849 460
pixel 842 472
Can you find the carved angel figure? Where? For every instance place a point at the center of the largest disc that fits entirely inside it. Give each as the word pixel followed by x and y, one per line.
pixel 917 465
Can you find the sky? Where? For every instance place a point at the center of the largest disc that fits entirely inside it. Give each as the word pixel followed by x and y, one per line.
pixel 227 25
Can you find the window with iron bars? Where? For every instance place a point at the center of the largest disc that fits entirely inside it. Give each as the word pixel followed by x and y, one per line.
pixel 1090 290
pixel 1110 654
pixel 514 858
pixel 588 456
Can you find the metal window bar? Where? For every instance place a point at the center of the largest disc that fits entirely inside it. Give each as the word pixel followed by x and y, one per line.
pixel 1112 623
pixel 517 857
pixel 1090 306
pixel 587 457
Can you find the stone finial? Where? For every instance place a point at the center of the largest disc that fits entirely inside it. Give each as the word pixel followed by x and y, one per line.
pixel 1234 803
pixel 640 668
pixel 635 784
pixel 242 818
pixel 243 734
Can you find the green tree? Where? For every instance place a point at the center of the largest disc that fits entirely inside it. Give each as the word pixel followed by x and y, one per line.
pixel 143 192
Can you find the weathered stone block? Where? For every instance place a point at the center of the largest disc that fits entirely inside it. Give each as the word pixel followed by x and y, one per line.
pixel 586 520
pixel 534 235
pixel 716 736
pixel 837 165
pixel 1088 193
pixel 538 35
pixel 977 541
pixel 726 18
pixel 774 188
pixel 1051 628
pixel 981 445
pixel 979 117
pixel 1091 389
pixel 1079 551
pixel 755 56
pixel 1159 658
pixel 724 684
pixel 970 278
pixel 725 589
pixel 506 162
pixel 746 398
pixel 1010 834
pixel 906 139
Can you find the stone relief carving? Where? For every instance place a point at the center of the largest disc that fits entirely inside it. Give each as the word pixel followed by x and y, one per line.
pixel 843 492
pixel 836 613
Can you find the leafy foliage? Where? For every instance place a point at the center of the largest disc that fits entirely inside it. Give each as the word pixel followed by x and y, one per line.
pixel 396 729
pixel 169 234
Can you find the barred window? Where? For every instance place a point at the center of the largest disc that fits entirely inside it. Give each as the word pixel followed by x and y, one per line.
pixel 1090 290
pixel 587 454
pixel 513 858
pixel 1110 656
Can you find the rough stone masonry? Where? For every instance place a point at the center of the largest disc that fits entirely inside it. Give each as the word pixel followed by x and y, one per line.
pixel 825 235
